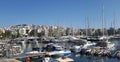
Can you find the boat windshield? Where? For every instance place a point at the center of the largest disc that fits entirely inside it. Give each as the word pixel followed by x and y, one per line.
pixel 58 48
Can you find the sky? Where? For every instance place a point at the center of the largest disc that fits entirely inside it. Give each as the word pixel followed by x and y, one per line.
pixel 68 13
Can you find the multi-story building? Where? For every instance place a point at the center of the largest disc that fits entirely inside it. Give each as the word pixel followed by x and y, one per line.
pixel 2 30
pixel 23 31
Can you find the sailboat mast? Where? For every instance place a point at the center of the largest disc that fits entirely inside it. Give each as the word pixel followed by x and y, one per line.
pixel 35 32
pixel 103 19
pixel 58 28
pixel 114 22
pixel 87 25
pixel 72 31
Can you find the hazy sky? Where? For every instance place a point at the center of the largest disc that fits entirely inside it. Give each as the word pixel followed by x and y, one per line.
pixel 70 13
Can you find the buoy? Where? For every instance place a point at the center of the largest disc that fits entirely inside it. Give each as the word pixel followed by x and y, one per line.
pixel 64 57
pixel 28 59
pixel 46 53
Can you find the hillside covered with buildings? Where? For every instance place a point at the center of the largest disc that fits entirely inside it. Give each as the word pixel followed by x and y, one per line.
pixel 52 31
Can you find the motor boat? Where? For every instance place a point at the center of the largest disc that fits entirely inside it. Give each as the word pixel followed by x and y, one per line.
pixel 54 49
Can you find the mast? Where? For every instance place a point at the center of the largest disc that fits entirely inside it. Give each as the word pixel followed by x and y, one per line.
pixel 103 19
pixel 72 30
pixel 58 32
pixel 35 32
pixel 87 25
pixel 114 22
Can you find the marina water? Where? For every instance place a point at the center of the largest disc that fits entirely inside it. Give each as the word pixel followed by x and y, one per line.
pixel 78 57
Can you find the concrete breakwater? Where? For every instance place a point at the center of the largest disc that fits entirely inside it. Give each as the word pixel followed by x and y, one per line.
pixel 101 52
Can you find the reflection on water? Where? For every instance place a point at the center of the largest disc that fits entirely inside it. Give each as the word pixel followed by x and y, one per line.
pixel 84 58
pixel 78 57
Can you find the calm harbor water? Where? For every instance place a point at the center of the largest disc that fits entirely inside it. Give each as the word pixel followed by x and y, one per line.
pixel 81 58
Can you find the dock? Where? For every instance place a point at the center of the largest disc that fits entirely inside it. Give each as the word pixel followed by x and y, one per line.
pixel 28 55
pixel 9 60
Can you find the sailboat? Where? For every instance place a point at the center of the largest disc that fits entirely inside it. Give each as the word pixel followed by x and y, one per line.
pixel 88 30
pixel 104 37
pixel 114 36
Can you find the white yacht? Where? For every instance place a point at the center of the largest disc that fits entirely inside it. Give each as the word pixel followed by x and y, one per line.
pixel 106 44
pixel 78 48
pixel 104 38
pixel 110 46
pixel 88 44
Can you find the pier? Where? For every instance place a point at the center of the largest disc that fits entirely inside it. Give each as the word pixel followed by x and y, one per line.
pixel 9 60
pixel 28 55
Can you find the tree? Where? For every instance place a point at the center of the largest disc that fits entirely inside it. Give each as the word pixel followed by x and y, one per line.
pixel 41 34
pixel 32 33
pixel 18 35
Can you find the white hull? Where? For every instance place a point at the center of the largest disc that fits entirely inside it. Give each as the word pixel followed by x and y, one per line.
pixel 59 53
